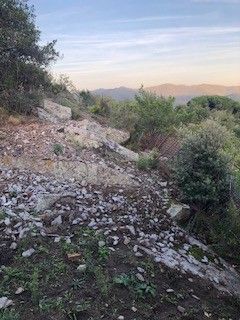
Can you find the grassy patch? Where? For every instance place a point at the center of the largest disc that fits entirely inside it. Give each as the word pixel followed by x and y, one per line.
pixel 149 161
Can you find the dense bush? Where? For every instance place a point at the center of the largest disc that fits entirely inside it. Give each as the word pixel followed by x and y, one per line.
pixel 216 103
pixel 155 114
pixel 191 114
pixel 123 115
pixel 202 171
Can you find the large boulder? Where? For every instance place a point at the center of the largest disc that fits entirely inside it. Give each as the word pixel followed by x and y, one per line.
pixel 54 112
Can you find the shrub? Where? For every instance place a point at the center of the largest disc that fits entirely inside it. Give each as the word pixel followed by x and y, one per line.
pixel 216 103
pixel 202 171
pixel 58 149
pixel 155 114
pixel 191 114
pixel 123 115
pixel 149 161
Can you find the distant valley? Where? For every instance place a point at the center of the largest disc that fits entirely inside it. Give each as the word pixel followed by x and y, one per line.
pixel 182 93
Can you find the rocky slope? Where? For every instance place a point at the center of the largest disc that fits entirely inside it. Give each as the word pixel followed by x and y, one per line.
pixel 50 205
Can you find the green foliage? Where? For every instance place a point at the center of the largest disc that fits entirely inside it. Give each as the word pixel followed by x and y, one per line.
pixel 216 103
pixel 103 253
pixel 102 280
pixel 191 114
pixel 9 315
pixel 58 149
pixel 86 98
pixel 33 286
pixel 155 114
pixel 149 161
pixel 49 304
pixel 23 73
pixel 141 289
pixel 221 234
pixel 202 171
pixel 123 115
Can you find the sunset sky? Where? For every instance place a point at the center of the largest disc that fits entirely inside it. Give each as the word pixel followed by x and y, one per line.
pixel 110 43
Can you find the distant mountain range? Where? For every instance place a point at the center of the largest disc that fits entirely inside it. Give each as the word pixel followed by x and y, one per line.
pixel 182 93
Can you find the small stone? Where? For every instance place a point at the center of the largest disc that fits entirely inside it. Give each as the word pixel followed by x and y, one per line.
pixel 141 270
pixel 5 302
pixel 73 256
pixel 28 253
pixel 7 221
pixel 19 290
pixel 181 309
pixel 101 243
pixel 57 221
pixel 82 268
pixel 204 259
pixel 169 290
pixel 121 318
pixel 140 277
pixel 13 246
pixel 195 297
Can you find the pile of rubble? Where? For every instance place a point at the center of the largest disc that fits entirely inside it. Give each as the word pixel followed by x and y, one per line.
pixel 139 218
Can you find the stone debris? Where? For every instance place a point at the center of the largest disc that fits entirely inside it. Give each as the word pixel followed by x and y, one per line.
pixel 82 268
pixel 5 303
pixel 28 253
pixel 179 212
pixel 19 290
pixel 129 208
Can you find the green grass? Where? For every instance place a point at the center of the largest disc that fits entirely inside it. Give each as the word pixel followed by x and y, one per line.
pixel 9 315
pixel 149 161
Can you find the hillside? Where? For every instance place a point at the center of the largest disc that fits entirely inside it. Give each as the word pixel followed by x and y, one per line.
pixel 182 93
pixel 86 235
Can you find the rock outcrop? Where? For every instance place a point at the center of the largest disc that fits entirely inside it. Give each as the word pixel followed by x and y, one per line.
pixel 54 112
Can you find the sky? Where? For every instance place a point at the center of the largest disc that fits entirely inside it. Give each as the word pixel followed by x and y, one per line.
pixel 112 43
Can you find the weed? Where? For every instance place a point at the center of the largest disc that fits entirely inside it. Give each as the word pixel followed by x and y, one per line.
pixel 58 149
pixel 142 289
pixel 103 253
pixel 149 161
pixel 48 304
pixel 33 286
pixel 102 281
pixel 9 315
pixel 124 279
pixel 77 283
pixel 2 215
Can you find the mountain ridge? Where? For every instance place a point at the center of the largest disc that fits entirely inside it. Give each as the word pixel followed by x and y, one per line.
pixel 181 92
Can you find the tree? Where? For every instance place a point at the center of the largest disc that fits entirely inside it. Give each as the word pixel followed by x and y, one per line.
pixel 202 171
pixel 155 114
pixel 23 61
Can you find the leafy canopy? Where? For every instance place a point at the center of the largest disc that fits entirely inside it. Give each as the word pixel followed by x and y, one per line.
pixel 23 61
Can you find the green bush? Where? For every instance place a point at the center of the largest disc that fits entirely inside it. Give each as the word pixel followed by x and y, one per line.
pixel 123 115
pixel 149 161
pixel 201 169
pixel 191 114
pixel 216 103
pixel 155 114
